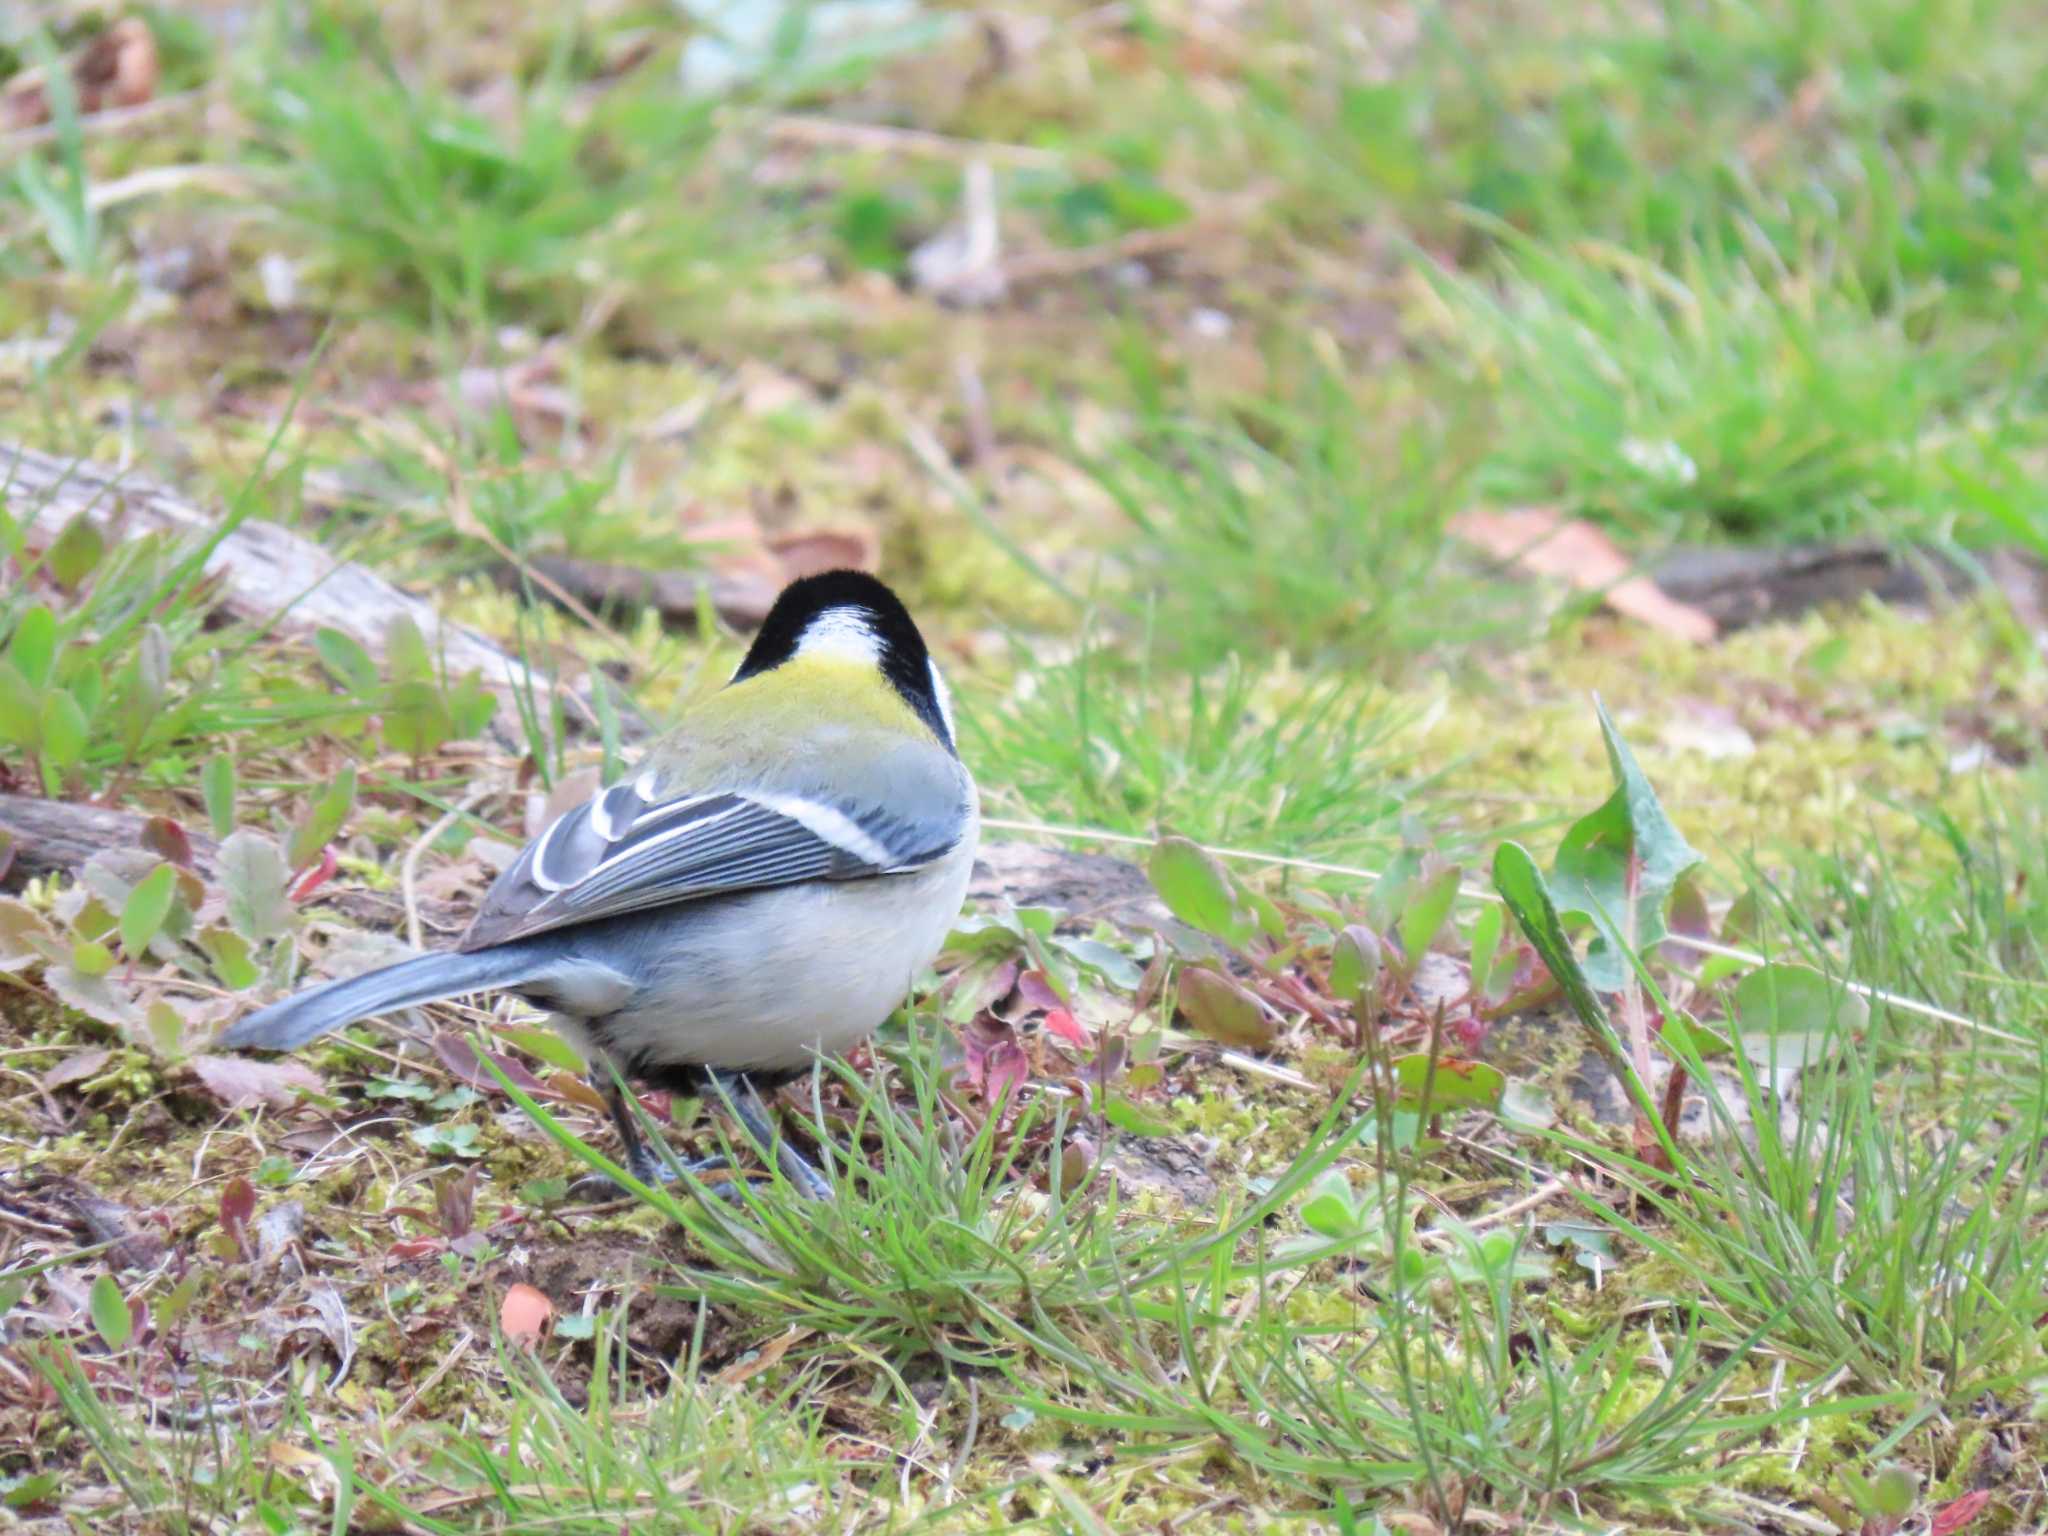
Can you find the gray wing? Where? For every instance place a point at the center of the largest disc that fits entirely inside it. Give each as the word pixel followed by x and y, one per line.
pixel 627 849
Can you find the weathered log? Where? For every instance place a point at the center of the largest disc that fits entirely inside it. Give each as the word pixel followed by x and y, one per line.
pixel 266 573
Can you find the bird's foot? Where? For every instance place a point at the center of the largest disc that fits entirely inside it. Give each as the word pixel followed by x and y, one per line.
pixel 654 1171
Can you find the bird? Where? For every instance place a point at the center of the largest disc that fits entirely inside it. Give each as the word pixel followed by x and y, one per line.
pixel 762 888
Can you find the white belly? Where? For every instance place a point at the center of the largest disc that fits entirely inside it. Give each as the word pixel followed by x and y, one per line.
pixel 768 980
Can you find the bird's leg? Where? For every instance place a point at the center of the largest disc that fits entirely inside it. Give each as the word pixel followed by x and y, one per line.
pixel 737 1094
pixel 641 1161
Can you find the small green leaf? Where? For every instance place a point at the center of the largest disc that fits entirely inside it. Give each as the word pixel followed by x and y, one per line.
pixel 90 958
pixel 1421 920
pixel 21 710
pixel 547 1045
pixel 111 1318
pixel 405 652
pixel 77 551
pixel 322 819
pixel 1127 1117
pixel 232 958
pixel 33 646
pixel 1788 1016
pixel 217 784
pixel 31 1489
pixel 254 878
pixel 575 1325
pixel 416 719
pixel 143 914
pixel 1217 1007
pixel 65 730
pixel 1457 1084
pixel 1198 890
pixel 1355 964
pixel 1487 929
pixel 1329 1208
pixel 346 661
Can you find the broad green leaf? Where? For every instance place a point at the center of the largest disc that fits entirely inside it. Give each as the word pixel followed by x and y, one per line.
pixel 1787 1016
pixel 1355 964
pixel 111 1318
pixel 77 551
pixel 1618 867
pixel 217 784
pixel 33 646
pixel 1429 903
pixel 322 819
pixel 142 916
pixel 346 662
pixel 254 877
pixel 1457 1084
pixel 65 730
pixel 1523 889
pixel 1218 1008
pixel 1198 890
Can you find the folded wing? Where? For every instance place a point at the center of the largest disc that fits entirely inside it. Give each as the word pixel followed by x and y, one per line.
pixel 627 849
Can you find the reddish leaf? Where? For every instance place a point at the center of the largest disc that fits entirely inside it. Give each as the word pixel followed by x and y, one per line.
pixel 1037 992
pixel 460 1057
pixel 524 1314
pixel 455 1203
pixel 1070 1029
pixel 996 1063
pixel 312 877
pixel 416 1247
pixel 239 1083
pixel 237 1205
pixel 1957 1513
pixel 167 840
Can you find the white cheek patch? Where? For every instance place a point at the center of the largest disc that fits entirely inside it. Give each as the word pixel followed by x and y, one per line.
pixel 943 697
pixel 843 634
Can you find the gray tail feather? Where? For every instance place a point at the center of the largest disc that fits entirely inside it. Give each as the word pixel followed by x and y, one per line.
pixel 290 1024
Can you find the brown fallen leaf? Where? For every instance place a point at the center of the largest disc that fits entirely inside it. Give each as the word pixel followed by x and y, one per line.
pixel 745 1369
pixel 524 1314
pixel 240 1083
pixel 118 68
pixel 76 1069
pixel 1538 540
pixel 1221 1010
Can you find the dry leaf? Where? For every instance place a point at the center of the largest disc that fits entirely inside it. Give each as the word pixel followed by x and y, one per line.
pixel 118 68
pixel 239 1083
pixel 524 1314
pixel 1538 540
pixel 76 1069
pixel 746 1368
